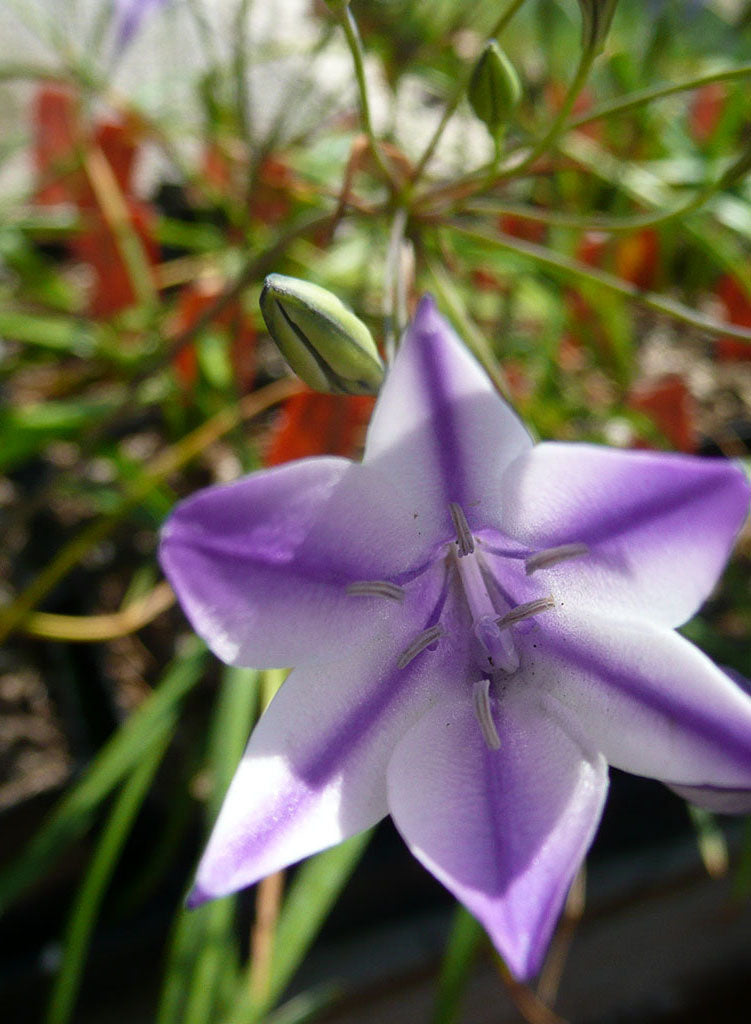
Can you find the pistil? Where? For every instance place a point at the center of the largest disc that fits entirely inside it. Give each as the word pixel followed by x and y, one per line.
pixel 497 647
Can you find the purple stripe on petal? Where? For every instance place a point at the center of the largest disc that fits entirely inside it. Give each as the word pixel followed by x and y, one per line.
pixel 504 830
pixel 659 527
pixel 314 771
pixel 653 703
pixel 704 721
pixel 440 432
pixel 427 330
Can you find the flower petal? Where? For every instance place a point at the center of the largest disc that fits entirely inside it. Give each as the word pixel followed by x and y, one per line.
pixel 314 771
pixel 505 830
pixel 261 566
pixel 653 703
pixel 659 526
pixel 439 429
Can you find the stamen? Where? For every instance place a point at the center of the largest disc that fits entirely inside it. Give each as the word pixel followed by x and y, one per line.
pixel 484 714
pixel 525 611
pixel 418 645
pixel 552 556
pixel 464 537
pixel 376 588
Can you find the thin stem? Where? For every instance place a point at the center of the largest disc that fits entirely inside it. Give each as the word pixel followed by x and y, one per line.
pixel 555 962
pixel 395 296
pixel 633 222
pixel 240 71
pixel 268 906
pixel 573 268
pixel 349 25
pixel 162 466
pixel 115 211
pixel 474 337
pixel 532 1009
pixel 638 99
pixel 452 105
pixel 484 177
pixel 96 628
pixel 558 125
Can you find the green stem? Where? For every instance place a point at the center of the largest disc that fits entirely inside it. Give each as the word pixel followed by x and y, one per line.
pixel 487 176
pixel 639 99
pixel 580 271
pixel 452 105
pixel 349 25
pixel 558 126
pixel 633 222
pixel 467 328
pixel 395 298
pixel 161 467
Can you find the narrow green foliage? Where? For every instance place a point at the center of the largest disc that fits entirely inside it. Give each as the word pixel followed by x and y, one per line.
pixel 89 897
pixel 153 720
pixel 203 957
pixel 315 890
pixel 461 950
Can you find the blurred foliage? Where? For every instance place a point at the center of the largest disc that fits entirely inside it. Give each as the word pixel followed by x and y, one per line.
pixel 597 262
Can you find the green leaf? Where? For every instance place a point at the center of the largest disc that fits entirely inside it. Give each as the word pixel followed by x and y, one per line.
pixel 155 718
pixel 461 950
pixel 89 897
pixel 203 951
pixel 55 333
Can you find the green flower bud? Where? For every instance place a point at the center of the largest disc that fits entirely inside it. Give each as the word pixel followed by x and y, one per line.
pixel 596 18
pixel 324 342
pixel 494 88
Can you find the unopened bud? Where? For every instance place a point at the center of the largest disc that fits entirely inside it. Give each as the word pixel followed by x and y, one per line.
pixel 324 342
pixel 494 89
pixel 596 18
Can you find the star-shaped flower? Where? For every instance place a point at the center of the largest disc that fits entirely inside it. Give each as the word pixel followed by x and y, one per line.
pixel 479 626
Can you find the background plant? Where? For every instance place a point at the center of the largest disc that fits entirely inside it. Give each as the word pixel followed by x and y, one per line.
pixel 589 238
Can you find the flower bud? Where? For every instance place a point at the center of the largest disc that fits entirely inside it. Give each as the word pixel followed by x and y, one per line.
pixel 596 18
pixel 494 89
pixel 324 342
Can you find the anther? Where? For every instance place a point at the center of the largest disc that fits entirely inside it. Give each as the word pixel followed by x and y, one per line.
pixel 484 714
pixel 418 645
pixel 552 556
pixel 525 611
pixel 376 588
pixel 464 537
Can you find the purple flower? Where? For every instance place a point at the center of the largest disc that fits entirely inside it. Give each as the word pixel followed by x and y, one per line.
pixel 479 626
pixel 128 17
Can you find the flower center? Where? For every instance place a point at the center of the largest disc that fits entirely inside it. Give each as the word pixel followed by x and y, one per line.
pixel 470 562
